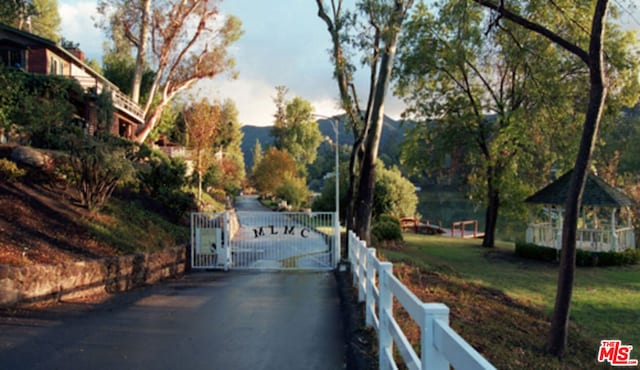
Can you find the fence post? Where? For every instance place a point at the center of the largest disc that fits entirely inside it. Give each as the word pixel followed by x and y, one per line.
pixel 385 308
pixel 350 251
pixel 362 271
pixel 371 277
pixel 431 358
pixel 356 260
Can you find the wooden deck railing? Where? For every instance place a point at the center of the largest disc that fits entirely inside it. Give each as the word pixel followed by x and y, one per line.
pixel 461 227
pixel 596 240
pixel 120 100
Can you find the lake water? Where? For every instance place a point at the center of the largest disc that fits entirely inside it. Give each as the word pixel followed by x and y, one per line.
pixel 448 206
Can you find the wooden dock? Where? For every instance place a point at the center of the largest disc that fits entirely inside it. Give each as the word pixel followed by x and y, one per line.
pixel 459 229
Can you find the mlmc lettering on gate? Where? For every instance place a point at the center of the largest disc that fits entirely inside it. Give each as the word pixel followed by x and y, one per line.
pixel 264 240
pixel 286 230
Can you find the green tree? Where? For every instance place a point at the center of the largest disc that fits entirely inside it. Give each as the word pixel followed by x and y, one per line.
pixel 257 156
pixel 295 130
pixel 180 54
pixel 46 20
pixel 587 46
pixel 119 68
pixel 381 24
pixel 490 94
pixel 395 194
pixel 294 191
pixel 275 166
pixel 227 144
pixel 39 17
pixel 171 125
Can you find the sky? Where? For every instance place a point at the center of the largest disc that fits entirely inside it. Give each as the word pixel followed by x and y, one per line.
pixel 284 43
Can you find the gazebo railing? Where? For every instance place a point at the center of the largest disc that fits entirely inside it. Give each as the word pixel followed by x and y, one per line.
pixel 596 240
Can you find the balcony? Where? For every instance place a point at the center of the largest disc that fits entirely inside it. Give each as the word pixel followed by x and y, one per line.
pixel 120 101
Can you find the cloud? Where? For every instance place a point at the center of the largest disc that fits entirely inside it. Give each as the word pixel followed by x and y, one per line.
pixel 284 43
pixel 77 24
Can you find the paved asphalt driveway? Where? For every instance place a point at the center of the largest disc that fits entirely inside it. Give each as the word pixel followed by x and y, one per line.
pixel 209 320
pixel 205 320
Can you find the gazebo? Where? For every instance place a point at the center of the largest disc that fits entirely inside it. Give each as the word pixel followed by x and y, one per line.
pixel 600 228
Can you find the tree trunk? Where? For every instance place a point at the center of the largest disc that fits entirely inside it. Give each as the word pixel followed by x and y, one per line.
pixel 199 188
pixel 367 181
pixel 142 52
pixel 597 95
pixel 355 162
pixel 491 216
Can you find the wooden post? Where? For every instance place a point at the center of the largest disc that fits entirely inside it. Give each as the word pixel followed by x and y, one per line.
pixel 431 357
pixel 385 309
pixel 370 303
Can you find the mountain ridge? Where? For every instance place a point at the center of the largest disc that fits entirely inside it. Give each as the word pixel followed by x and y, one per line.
pixel 390 141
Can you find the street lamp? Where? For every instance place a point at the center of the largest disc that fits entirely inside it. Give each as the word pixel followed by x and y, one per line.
pixel 335 123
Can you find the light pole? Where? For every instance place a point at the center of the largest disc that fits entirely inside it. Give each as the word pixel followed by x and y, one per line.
pixel 335 123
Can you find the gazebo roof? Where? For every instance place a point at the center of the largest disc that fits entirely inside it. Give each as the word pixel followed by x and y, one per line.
pixel 596 193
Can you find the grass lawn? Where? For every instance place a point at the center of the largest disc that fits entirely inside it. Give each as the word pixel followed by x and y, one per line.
pixel 605 303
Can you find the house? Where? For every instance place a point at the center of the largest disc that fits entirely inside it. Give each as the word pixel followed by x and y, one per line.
pixel 35 54
pixel 605 218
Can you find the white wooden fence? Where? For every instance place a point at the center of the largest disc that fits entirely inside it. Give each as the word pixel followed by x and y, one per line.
pixel 440 345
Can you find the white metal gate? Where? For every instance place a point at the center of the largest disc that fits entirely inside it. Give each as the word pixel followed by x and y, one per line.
pixel 264 240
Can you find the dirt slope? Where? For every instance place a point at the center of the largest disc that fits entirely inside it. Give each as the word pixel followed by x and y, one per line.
pixel 39 223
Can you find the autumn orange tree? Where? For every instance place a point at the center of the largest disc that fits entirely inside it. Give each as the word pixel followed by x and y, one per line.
pixel 202 121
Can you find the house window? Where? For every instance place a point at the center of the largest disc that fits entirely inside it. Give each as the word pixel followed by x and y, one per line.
pixel 12 58
pixel 53 65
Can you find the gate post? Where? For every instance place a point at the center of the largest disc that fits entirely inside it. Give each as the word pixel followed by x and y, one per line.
pixel 336 236
pixel 226 238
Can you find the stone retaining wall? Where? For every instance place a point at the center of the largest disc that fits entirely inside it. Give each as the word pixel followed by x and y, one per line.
pixel 33 283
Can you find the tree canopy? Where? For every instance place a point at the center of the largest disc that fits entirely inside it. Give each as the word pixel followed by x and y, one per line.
pixel 39 17
pixel 295 130
pixel 182 42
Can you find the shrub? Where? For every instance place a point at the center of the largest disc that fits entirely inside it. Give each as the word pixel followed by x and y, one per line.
pixel 394 193
pixel 9 171
pixel 386 231
pixel 294 191
pixel 165 181
pixel 628 257
pixel 583 258
pixel 97 168
pixel 536 252
pixel 388 218
pixel 39 104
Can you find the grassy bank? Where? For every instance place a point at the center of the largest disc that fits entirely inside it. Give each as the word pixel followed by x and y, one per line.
pixel 130 227
pixel 605 305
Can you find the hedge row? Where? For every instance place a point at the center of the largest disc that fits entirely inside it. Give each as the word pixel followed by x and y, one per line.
pixel 583 258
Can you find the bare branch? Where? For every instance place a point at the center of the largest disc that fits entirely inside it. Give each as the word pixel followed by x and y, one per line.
pixel 537 28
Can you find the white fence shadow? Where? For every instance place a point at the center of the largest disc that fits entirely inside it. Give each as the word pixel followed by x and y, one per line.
pixel 441 347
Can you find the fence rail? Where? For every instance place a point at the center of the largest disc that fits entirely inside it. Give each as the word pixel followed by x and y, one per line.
pixel 441 347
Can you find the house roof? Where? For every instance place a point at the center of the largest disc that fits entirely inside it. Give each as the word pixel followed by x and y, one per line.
pixel 596 193
pixel 58 49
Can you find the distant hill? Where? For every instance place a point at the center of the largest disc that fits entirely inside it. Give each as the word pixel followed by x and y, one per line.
pixel 392 137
